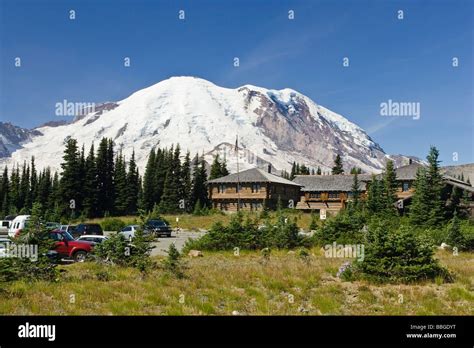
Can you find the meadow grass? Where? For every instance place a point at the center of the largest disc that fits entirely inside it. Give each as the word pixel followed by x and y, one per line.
pixel 220 283
pixel 196 222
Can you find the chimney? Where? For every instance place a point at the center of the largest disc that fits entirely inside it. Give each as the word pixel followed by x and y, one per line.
pixel 270 168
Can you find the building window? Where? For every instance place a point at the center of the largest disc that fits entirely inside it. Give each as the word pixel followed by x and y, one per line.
pixel 221 188
pixel 333 195
pixel 238 188
pixel 316 195
pixel 405 186
pixel 255 188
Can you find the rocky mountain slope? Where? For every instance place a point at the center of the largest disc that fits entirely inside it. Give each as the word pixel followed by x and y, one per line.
pixel 273 126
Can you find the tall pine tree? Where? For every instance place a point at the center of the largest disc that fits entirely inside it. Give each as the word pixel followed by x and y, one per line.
pixel 337 169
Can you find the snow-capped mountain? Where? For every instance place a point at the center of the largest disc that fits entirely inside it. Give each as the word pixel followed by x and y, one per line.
pixel 273 126
pixel 11 138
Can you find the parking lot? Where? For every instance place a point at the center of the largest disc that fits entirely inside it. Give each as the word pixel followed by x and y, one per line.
pixel 177 237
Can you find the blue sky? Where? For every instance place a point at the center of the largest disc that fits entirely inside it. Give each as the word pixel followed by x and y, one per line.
pixel 407 60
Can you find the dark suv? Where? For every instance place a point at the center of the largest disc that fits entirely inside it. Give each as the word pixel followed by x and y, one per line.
pixel 81 229
pixel 158 228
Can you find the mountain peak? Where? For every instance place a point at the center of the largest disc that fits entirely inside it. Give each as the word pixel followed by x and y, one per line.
pixel 274 126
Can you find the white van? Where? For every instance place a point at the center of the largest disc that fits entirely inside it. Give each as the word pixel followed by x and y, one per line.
pixel 17 225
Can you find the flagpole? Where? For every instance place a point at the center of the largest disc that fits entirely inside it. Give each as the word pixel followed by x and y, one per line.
pixel 238 177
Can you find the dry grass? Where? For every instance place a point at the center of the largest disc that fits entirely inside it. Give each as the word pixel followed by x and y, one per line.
pixel 220 283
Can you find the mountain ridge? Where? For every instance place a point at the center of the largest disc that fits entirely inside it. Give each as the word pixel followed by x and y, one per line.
pixel 274 126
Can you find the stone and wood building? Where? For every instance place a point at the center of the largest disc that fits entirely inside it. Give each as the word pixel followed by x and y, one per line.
pixel 328 192
pixel 253 188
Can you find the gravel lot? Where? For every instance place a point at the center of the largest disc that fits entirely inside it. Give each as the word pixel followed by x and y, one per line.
pixel 178 238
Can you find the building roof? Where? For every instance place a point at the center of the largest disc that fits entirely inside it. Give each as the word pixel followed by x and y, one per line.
pixel 458 183
pixel 253 175
pixel 330 182
pixel 407 172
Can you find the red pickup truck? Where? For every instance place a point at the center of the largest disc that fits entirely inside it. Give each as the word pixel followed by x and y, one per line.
pixel 67 247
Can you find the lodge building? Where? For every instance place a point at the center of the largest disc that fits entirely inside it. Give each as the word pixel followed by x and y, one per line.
pixel 253 188
pixel 330 193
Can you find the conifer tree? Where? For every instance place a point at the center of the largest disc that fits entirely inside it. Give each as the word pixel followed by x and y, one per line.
pixel 454 237
pixel 293 171
pixel 56 198
pixel 374 199
pixel 105 177
pixel 91 195
pixel 427 204
pixel 33 181
pixel 215 169
pixel 435 182
pixel 5 193
pixel 355 190
pixel 185 188
pixel 70 187
pixel 199 193
pixel 162 163
pixel 14 197
pixel 169 199
pixel 390 186
pixel 44 190
pixel 121 186
pixel 337 169
pixel 420 206
pixel 149 182
pixel 224 170
pixel 24 188
pixel 133 186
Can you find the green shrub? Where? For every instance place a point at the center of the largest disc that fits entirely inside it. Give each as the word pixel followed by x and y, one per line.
pixel 344 228
pixel 313 225
pixel 467 229
pixel 41 268
pixel 455 237
pixel 118 251
pixel 112 224
pixel 173 263
pixel 396 255
pixel 283 235
pixel 437 235
pixel 246 234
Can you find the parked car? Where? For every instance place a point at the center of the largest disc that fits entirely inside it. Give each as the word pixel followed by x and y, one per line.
pixel 158 228
pixel 67 228
pixel 67 247
pixel 4 226
pixel 17 225
pixel 52 225
pixel 92 238
pixel 82 229
pixel 129 231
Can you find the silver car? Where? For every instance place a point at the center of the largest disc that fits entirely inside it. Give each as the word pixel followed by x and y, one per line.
pixel 129 231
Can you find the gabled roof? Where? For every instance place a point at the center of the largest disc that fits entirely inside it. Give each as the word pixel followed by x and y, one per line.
pixel 407 172
pixel 253 175
pixel 330 182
